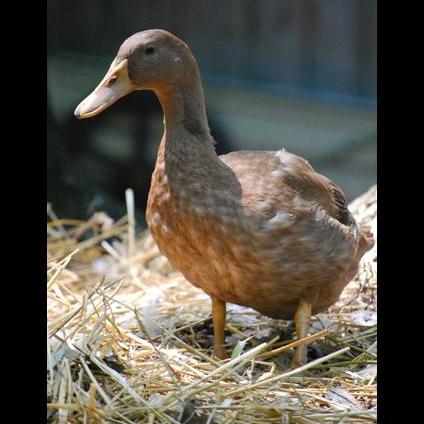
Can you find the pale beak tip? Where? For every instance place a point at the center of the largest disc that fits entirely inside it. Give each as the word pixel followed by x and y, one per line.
pixel 77 112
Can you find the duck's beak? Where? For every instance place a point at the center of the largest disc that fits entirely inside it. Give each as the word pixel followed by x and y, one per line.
pixel 114 85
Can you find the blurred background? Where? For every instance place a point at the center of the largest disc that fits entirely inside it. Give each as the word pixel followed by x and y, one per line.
pixel 299 74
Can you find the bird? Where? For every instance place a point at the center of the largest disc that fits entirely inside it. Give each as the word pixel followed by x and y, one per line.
pixel 260 229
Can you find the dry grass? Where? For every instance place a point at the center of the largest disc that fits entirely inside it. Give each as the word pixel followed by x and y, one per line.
pixel 129 340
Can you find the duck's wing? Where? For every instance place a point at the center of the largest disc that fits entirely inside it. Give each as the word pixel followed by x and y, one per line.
pixel 274 180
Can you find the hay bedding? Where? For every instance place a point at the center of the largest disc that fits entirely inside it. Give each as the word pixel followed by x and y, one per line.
pixel 130 341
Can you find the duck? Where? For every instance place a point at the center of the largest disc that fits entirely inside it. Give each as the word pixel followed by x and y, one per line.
pixel 260 229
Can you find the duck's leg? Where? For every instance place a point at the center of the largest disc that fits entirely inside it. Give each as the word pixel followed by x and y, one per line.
pixel 302 321
pixel 218 318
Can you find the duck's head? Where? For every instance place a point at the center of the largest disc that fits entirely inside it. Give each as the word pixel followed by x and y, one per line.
pixel 149 60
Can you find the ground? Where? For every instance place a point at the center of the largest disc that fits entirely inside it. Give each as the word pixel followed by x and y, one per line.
pixel 129 340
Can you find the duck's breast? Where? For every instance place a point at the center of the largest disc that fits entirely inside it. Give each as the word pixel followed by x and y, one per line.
pixel 248 251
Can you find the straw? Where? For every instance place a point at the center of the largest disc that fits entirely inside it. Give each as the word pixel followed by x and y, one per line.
pixel 130 340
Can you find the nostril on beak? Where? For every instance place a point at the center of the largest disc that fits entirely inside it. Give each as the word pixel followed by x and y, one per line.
pixel 111 81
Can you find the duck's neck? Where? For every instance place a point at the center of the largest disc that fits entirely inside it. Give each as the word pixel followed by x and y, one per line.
pixel 187 143
pixel 184 106
pixel 187 163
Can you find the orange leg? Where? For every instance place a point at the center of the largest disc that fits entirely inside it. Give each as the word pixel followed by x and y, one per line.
pixel 302 321
pixel 218 318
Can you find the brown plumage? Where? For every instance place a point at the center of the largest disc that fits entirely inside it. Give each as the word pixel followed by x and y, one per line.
pixel 255 228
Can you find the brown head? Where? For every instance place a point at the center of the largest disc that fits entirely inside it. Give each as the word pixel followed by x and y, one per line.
pixel 149 60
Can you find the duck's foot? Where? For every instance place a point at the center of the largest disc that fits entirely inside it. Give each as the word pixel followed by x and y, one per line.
pixel 302 320
pixel 300 357
pixel 219 352
pixel 218 318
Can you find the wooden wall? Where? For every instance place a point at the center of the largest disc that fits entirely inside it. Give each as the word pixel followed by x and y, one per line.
pixel 319 46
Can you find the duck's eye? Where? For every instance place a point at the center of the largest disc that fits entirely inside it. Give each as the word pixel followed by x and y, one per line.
pixel 149 50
